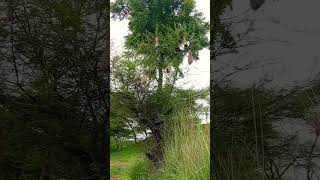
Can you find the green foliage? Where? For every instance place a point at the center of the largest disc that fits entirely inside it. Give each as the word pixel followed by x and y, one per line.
pixel 50 110
pixel 123 144
pixel 157 29
pixel 187 152
pixel 28 138
pixel 168 20
pixel 119 113
pixel 133 99
pixel 220 33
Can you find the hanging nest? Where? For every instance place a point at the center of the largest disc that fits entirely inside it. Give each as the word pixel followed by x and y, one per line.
pixel 256 4
pixel 184 44
pixel 156 41
pixel 190 58
pixel 145 78
pixel 168 69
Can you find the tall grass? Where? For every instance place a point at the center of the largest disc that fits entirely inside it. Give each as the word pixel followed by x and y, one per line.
pixel 186 151
pixel 238 166
pixel 187 155
pixel 142 170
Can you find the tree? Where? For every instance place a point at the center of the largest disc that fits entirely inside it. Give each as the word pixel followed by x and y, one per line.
pixel 157 29
pixel 56 89
pixel 138 100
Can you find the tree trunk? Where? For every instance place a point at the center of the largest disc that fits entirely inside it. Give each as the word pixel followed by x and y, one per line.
pixel 45 168
pixel 133 131
pixel 156 153
pixel 102 128
pixel 117 142
pixel 146 133
pixel 103 154
pixel 160 78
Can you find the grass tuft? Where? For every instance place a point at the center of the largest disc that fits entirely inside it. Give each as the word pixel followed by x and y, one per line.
pixel 187 152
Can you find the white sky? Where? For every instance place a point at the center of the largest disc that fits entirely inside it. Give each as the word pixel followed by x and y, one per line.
pixel 197 74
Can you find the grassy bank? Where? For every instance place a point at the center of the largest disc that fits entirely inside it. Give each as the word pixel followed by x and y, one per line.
pixel 187 157
pixel 187 153
pixel 187 150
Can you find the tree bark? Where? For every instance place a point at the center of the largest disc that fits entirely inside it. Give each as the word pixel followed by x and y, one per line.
pixel 133 131
pixel 156 153
pixel 146 133
pixel 160 78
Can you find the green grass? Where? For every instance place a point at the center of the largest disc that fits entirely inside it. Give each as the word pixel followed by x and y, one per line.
pixel 122 161
pixel 141 170
pixel 187 157
pixel 187 150
pixel 187 153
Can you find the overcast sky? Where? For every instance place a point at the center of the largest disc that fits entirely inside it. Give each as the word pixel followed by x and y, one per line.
pixel 290 30
pixel 197 74
pixel 291 33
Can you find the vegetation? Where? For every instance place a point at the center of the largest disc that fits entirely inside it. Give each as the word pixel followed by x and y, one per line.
pixel 54 90
pixel 144 168
pixel 144 96
pixel 55 96
pixel 122 161
pixel 250 141
pixel 186 152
